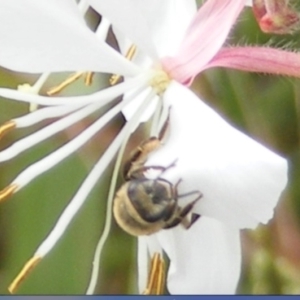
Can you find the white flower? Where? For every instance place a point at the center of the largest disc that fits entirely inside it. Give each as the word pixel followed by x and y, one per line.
pixel 240 179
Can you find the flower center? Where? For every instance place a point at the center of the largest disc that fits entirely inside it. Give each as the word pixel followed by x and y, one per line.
pixel 160 81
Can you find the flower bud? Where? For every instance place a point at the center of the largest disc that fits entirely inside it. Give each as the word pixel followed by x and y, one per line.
pixel 276 16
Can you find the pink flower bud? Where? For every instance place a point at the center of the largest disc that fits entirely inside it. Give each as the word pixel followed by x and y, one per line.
pixel 276 16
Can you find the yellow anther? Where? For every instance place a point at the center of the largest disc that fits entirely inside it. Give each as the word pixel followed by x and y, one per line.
pixel 157 275
pixel 89 78
pixel 114 79
pixel 7 192
pixel 6 127
pixel 131 52
pixel 29 266
pixel 64 84
pixel 160 81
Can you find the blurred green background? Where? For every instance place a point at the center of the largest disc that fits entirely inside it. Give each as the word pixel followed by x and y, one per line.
pixel 265 107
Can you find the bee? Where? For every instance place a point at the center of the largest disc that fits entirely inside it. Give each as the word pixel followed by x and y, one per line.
pixel 144 206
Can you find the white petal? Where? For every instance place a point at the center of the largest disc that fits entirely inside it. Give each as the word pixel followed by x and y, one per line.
pixel 169 21
pixel 240 179
pixel 157 27
pixel 127 16
pixel 166 18
pixel 52 36
pixel 205 259
pixel 139 58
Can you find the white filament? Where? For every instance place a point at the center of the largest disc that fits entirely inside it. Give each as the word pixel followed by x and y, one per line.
pixel 131 124
pixel 83 6
pixel 155 122
pixel 54 158
pixel 105 94
pixel 40 82
pixel 103 28
pixel 79 198
pixel 84 190
pixel 50 130
pixel 143 265
pixel 43 114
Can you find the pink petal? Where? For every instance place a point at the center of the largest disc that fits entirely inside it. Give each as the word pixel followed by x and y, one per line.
pixel 204 38
pixel 258 59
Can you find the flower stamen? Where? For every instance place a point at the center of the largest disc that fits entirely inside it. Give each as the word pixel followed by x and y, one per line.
pixel 34 89
pixel 57 89
pixel 29 266
pixel 157 275
pixel 8 191
pixel 88 78
pixel 114 79
pixel 6 127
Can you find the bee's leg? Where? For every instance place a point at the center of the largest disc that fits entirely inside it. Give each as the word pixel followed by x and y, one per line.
pixel 165 127
pixel 184 221
pixel 186 209
pixel 190 222
pixel 174 223
pixel 133 168
pixel 183 212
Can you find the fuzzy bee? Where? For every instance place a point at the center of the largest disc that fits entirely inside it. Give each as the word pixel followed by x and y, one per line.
pixel 144 206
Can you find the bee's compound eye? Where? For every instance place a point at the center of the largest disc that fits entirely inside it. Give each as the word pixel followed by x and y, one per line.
pixel 152 199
